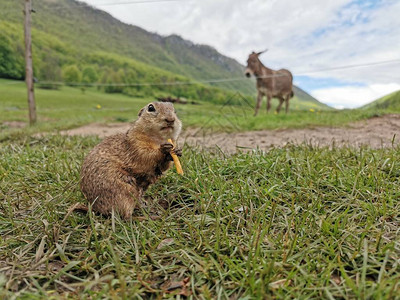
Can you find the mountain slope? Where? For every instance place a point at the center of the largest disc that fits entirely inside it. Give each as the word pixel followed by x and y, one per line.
pixel 391 102
pixel 70 33
pixel 86 28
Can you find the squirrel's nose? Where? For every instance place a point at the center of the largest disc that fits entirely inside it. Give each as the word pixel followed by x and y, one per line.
pixel 170 119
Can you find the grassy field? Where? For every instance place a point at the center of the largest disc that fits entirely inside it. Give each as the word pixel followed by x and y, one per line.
pixel 70 107
pixel 299 222
pixel 296 222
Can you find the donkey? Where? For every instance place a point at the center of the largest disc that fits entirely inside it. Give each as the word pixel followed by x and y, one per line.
pixel 270 83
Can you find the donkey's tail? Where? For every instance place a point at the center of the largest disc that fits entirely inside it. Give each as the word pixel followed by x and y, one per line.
pixel 291 94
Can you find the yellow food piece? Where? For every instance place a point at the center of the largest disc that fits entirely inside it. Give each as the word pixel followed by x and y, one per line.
pixel 176 159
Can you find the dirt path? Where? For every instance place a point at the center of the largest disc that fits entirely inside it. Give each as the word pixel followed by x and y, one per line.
pixel 375 132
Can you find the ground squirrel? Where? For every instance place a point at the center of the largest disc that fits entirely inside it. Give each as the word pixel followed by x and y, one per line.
pixel 117 172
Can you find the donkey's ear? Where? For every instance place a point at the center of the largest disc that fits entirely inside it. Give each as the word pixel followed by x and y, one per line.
pixel 262 52
pixel 141 111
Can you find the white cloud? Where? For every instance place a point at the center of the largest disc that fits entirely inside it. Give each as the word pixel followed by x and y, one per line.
pixel 353 96
pixel 234 27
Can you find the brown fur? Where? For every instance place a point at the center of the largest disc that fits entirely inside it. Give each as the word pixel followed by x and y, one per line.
pixel 270 83
pixel 117 172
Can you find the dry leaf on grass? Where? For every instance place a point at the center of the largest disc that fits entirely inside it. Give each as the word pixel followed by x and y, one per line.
pixel 279 283
pixel 165 242
pixel 172 286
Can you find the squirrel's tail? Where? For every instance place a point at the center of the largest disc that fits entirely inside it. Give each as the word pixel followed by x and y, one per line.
pixel 77 206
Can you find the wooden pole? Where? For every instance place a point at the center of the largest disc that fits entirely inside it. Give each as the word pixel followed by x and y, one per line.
pixel 28 63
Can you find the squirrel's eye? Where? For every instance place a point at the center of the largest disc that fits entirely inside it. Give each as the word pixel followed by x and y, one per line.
pixel 151 108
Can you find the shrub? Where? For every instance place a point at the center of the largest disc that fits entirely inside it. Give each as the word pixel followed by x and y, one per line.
pixel 71 74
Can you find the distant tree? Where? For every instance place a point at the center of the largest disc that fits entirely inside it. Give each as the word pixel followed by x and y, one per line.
pixel 11 62
pixel 114 80
pixel 71 74
pixel 89 75
pixel 50 71
pixel 104 73
pixel 130 77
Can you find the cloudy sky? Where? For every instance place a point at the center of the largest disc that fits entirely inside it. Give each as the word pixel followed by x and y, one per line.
pixel 345 53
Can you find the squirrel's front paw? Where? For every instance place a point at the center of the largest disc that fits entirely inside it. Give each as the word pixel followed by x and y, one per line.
pixel 166 148
pixel 178 152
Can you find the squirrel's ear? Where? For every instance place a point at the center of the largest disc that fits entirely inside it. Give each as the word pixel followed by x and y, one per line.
pixel 141 111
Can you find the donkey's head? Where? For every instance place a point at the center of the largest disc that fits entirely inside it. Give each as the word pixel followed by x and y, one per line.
pixel 253 64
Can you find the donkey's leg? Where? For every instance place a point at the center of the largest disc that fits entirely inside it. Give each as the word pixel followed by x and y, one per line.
pixel 258 103
pixel 268 103
pixel 278 109
pixel 287 103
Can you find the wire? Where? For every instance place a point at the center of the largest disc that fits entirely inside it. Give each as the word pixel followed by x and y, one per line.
pixel 84 4
pixel 221 80
pixel 218 80
pixel 353 66
pixel 10 83
pixel 144 83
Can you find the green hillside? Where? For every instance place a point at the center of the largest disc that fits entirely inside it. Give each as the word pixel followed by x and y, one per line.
pixel 74 42
pixel 391 102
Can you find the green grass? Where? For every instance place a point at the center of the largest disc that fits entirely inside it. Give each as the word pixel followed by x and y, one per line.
pixel 324 223
pixel 70 107
pixel 64 108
